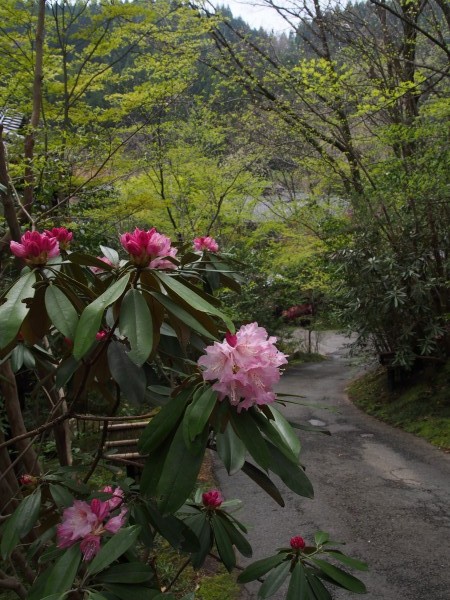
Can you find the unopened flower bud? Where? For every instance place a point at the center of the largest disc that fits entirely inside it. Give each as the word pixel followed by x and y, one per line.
pixel 212 499
pixel 297 543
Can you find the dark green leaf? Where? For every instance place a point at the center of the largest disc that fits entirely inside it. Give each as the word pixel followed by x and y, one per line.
pixel 130 378
pixel 61 311
pixel 340 577
pixel 199 411
pixel 17 357
pixel 292 475
pixel 298 585
pixel 92 315
pixel 95 596
pixel 286 432
pixel 264 482
pixel 250 435
pixel 136 592
pixel 180 471
pixel 14 310
pixel 137 325
pixel 267 427
pixel 202 529
pixel 260 568
pixel 65 371
pixel 321 537
pixel 317 588
pixel 193 299
pixel 274 580
pixel 223 543
pixel 347 560
pixel 163 423
pixel 63 572
pixel 231 449
pixel 60 495
pixel 134 572
pixel 21 522
pixel 172 529
pixel 114 548
pixel 235 535
pixel 183 315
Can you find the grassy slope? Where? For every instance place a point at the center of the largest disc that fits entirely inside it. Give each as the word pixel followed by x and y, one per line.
pixel 422 407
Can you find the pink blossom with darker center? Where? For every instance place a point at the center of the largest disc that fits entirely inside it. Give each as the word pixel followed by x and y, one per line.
pixel 244 367
pixel 149 249
pixel 206 243
pixel 87 523
pixel 35 248
pixel 117 496
pixel 63 235
pixel 212 499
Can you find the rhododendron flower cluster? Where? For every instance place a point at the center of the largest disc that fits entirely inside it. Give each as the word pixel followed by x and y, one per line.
pixel 149 248
pixel 212 499
pixel 89 521
pixel 244 367
pixel 206 243
pixel 63 235
pixel 35 248
pixel 297 543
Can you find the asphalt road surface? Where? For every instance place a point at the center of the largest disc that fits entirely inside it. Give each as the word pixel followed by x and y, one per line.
pixel 384 492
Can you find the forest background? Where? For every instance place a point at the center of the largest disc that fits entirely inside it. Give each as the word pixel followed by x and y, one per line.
pixel 319 158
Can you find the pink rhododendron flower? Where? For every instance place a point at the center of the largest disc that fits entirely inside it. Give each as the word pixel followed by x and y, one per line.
pixel 212 499
pixel 35 248
pixel 244 367
pixel 297 543
pixel 149 249
pixel 97 270
pixel 88 522
pixel 117 496
pixel 63 235
pixel 206 243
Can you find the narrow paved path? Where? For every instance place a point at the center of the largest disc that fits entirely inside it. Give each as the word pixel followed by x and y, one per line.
pixel 383 491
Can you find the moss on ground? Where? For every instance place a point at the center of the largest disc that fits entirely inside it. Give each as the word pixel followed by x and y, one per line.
pixel 422 406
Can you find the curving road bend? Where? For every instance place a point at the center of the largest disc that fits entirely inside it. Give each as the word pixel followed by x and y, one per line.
pixel 383 491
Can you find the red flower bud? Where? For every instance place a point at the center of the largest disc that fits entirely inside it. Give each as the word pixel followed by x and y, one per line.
pixel 27 479
pixel 297 543
pixel 212 499
pixel 101 335
pixel 231 339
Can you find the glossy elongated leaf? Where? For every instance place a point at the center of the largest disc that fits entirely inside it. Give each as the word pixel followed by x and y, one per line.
pixel 231 450
pixel 298 585
pixel 95 596
pixel 291 474
pixel 274 580
pixel 17 357
pixel 114 548
pixel 134 572
pixel 201 527
pixel 318 590
pixel 153 468
pixel 88 260
pixel 63 572
pixel 263 481
pixel 14 310
pixel 65 371
pixel 57 596
pixel 163 423
pixel 183 315
pixel 61 311
pixel 223 543
pixel 267 428
pixel 20 522
pixel 61 496
pixel 250 435
pixel 321 537
pixel 340 577
pixel 193 299
pixel 91 317
pixel 199 411
pixel 287 433
pixel 130 378
pixel 136 324
pixel 111 254
pixel 260 568
pixel 180 471
pixel 136 592
pixel 347 560
pixel 235 535
pixel 173 530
